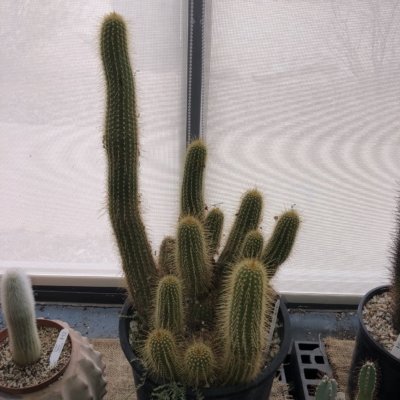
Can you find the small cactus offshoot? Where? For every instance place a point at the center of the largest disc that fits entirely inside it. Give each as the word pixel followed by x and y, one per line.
pixel 161 355
pixel 199 364
pixel 19 312
pixel 169 312
pixel 327 389
pixel 366 382
pixel 196 292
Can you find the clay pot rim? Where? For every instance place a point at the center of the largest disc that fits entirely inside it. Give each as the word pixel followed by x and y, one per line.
pixel 34 388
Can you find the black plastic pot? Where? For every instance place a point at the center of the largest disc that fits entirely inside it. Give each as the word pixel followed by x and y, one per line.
pixel 258 389
pixel 366 349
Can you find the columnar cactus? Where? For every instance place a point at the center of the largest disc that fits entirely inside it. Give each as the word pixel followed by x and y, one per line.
pixel 199 364
pixel 247 219
pixel 367 382
pixel 327 389
pixel 121 145
pixel 213 230
pixel 161 355
pixel 169 312
pixel 226 296
pixel 252 245
pixel 19 312
pixel 166 258
pixel 280 244
pixel 192 258
pixel 395 289
pixel 243 324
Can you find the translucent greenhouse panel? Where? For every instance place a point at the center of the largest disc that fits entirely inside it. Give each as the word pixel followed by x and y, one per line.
pixel 52 165
pixel 304 104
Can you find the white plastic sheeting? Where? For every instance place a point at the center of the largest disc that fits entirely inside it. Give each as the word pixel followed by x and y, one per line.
pixel 52 165
pixel 303 103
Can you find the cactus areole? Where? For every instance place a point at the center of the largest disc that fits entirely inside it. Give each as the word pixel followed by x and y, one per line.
pixel 203 313
pixel 368 349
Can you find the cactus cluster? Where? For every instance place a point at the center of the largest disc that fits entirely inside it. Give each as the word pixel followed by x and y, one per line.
pixel 193 295
pixel 18 307
pixel 366 387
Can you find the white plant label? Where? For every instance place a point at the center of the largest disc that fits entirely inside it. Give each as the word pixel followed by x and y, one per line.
pixel 273 324
pixel 58 347
pixel 396 348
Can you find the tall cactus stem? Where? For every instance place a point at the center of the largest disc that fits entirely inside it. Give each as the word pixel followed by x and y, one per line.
pixel 19 312
pixel 213 229
pixel 121 145
pixel 244 322
pixel 280 244
pixel 169 311
pixel 192 196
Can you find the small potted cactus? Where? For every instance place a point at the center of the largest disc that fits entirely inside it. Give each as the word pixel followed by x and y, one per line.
pixel 195 325
pixel 365 390
pixel 378 337
pixel 29 369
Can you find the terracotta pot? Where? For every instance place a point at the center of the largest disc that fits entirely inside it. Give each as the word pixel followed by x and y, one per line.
pixel 81 379
pixel 258 389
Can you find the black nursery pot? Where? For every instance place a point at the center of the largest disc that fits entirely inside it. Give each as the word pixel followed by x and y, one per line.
pixel 367 349
pixel 260 388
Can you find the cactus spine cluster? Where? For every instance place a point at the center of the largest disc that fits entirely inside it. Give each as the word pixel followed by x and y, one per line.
pixel 19 312
pixel 227 297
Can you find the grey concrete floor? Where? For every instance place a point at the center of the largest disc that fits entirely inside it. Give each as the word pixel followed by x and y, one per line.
pixel 102 321
pixel 90 321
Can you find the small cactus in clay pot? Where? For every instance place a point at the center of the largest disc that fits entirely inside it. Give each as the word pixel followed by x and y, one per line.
pixel 77 374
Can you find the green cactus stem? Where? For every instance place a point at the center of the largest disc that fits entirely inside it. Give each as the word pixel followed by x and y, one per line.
pixel 169 313
pixel 327 389
pixel 199 365
pixel 192 196
pixel 246 302
pixel 252 245
pixel 367 382
pixel 121 145
pixel 19 313
pixel 167 256
pixel 213 229
pixel 395 287
pixel 161 355
pixel 247 219
pixel 192 260
pixel 280 244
